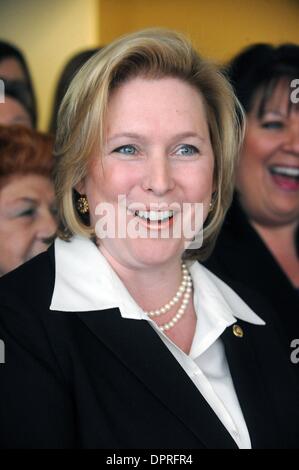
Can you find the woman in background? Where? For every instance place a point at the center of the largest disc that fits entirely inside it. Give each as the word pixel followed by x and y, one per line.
pixel 259 241
pixel 67 75
pixel 17 106
pixel 13 66
pixel 27 202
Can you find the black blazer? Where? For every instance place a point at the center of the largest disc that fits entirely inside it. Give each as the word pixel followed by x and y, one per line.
pixel 96 380
pixel 241 255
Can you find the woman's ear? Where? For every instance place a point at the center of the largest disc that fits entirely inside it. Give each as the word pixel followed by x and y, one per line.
pixel 215 185
pixel 80 187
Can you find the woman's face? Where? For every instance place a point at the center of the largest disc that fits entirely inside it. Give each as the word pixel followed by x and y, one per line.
pixel 11 69
pixel 12 112
pixel 268 171
pixel 157 155
pixel 27 219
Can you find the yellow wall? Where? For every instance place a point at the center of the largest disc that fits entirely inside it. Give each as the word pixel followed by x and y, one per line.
pixel 218 28
pixel 49 32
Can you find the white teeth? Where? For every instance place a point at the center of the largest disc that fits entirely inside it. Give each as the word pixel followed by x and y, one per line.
pixel 285 171
pixel 154 215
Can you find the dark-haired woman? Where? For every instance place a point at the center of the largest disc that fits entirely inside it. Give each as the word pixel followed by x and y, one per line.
pixel 17 106
pixel 13 66
pixel 69 71
pixel 259 241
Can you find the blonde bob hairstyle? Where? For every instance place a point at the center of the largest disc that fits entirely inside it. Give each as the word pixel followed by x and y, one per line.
pixel 152 53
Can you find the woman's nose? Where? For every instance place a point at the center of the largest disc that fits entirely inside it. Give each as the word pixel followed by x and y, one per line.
pixel 291 143
pixel 158 176
pixel 47 226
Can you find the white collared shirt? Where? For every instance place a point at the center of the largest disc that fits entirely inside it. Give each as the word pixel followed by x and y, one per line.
pixel 85 281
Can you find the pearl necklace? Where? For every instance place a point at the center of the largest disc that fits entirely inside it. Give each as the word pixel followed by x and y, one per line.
pixel 184 292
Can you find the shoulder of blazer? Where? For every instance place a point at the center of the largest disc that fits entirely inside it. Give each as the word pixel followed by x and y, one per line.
pixel 238 236
pixel 26 321
pixel 240 254
pixel 261 305
pixel 31 283
pixel 239 251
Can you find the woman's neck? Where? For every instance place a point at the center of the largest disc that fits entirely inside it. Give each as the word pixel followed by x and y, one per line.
pixel 281 242
pixel 154 286
pixel 150 286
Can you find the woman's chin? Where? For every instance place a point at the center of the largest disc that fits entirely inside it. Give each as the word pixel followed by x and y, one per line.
pixel 154 252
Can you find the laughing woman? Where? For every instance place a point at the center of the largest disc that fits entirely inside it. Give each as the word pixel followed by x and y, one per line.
pixel 259 242
pixel 122 341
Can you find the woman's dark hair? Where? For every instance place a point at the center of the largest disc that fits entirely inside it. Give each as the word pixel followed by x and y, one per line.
pixel 19 91
pixel 9 51
pixel 259 68
pixel 67 75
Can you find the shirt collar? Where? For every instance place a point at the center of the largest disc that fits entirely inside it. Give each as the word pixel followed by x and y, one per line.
pixel 85 281
pixel 217 307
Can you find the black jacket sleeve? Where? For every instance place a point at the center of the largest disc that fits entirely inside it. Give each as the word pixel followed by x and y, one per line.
pixel 36 407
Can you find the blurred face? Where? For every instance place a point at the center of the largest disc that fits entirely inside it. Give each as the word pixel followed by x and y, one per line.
pixel 11 69
pixel 12 112
pixel 268 173
pixel 27 219
pixel 158 155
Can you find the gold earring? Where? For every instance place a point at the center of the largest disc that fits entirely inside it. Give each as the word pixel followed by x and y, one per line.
pixel 82 205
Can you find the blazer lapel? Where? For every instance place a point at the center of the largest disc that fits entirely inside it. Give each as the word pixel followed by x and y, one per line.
pixel 140 349
pixel 250 382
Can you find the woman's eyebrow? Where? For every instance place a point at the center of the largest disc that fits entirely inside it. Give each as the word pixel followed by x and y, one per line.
pixel 185 135
pixel 130 135
pixel 275 112
pixel 26 199
pixel 135 135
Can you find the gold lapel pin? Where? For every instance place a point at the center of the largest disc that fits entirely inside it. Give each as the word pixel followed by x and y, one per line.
pixel 238 331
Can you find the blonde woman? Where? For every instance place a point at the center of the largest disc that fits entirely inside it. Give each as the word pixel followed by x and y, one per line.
pixel 117 337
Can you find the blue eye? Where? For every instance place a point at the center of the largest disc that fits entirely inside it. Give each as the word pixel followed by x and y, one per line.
pixel 187 150
pixel 27 213
pixel 54 211
pixel 126 150
pixel 273 125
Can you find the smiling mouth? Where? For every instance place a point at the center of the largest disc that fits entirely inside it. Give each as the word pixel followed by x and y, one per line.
pixel 285 177
pixel 157 217
pixel 286 171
